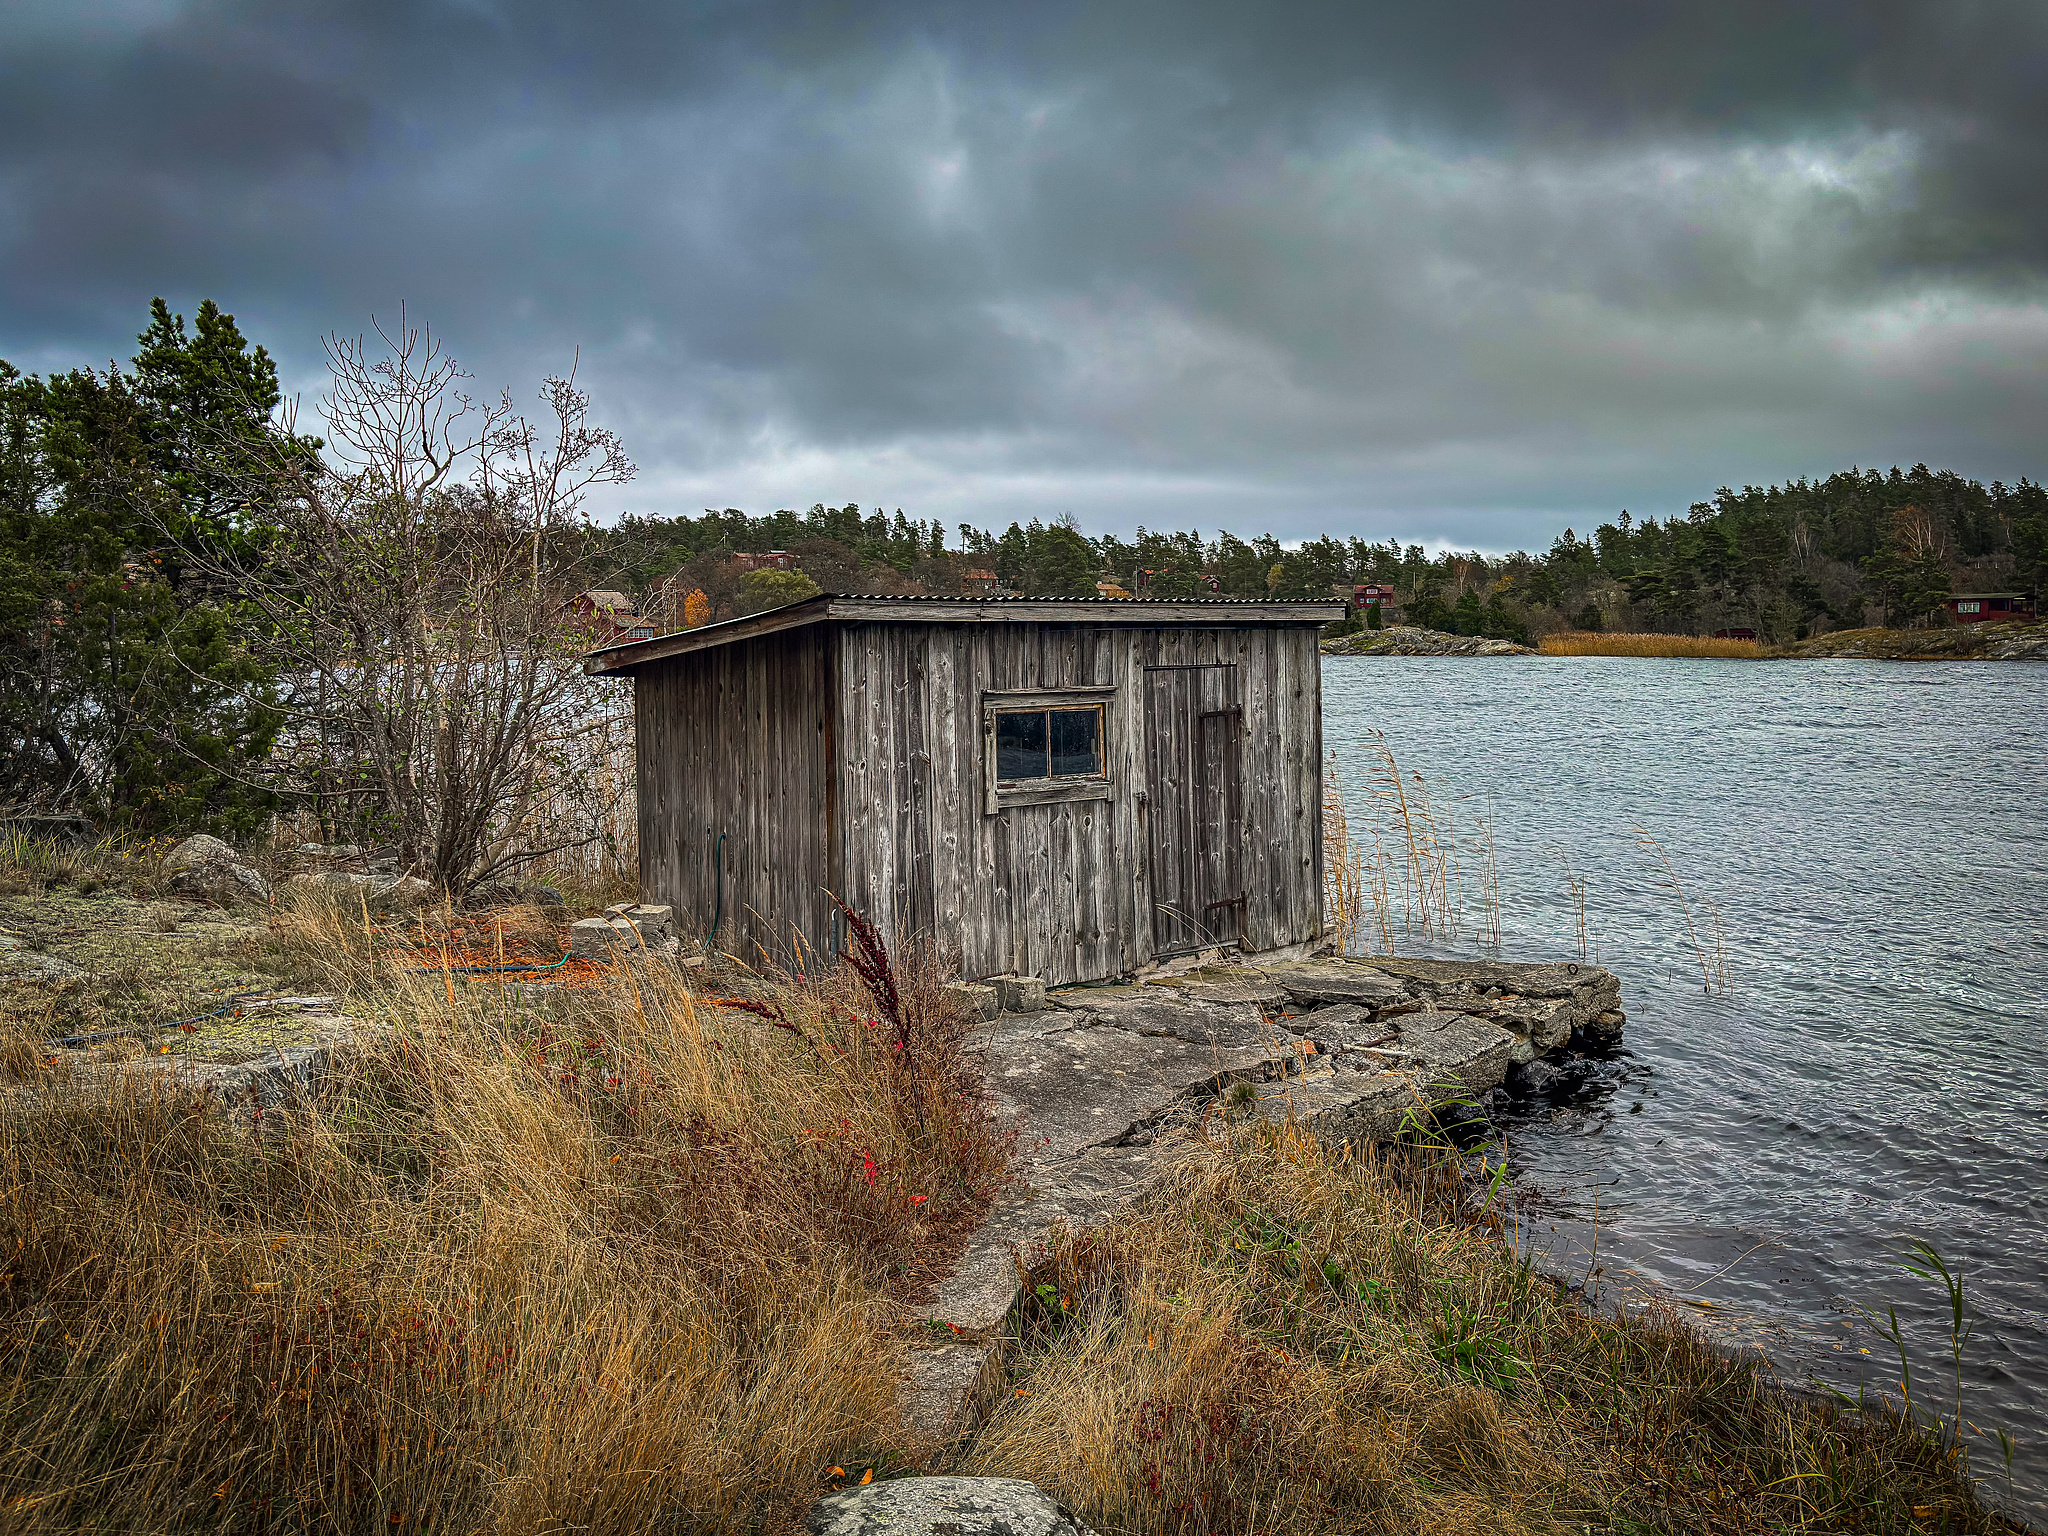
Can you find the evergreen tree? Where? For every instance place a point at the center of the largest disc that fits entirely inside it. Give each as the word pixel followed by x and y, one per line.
pixel 130 691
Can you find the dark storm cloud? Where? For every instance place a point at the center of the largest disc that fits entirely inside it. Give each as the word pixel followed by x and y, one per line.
pixel 1448 272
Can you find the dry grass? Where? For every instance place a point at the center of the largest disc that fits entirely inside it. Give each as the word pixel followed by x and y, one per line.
pixel 31 865
pixel 622 1262
pixel 632 1258
pixel 1585 643
pixel 1293 1341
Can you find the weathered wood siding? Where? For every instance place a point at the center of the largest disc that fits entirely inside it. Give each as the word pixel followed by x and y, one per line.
pixel 738 740
pixel 1063 890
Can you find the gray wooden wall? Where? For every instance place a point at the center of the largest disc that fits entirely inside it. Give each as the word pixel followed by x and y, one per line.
pixel 1060 891
pixel 737 740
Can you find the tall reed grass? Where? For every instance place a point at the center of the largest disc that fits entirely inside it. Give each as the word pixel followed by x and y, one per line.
pixel 624 1261
pixel 1704 933
pixel 30 864
pixel 1413 876
pixel 1589 643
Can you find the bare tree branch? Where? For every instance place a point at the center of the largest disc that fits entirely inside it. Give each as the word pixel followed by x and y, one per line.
pixel 415 596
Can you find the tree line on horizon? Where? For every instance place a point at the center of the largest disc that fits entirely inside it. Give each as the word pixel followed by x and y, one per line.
pixel 1861 547
pixel 164 529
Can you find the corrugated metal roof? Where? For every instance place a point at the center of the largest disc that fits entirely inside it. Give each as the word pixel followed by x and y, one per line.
pixel 1115 602
pixel 863 607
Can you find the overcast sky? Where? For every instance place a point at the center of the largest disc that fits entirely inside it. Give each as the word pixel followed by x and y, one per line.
pixel 1451 273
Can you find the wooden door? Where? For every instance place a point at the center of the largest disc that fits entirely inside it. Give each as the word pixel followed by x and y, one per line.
pixel 1194 726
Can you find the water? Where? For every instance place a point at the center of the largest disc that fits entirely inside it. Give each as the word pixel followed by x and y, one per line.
pixel 1876 840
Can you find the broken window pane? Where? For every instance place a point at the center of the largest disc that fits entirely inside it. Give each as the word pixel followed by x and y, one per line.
pixel 1020 745
pixel 1077 742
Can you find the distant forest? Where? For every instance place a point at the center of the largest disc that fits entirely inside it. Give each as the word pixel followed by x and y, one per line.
pixel 158 524
pixel 1861 547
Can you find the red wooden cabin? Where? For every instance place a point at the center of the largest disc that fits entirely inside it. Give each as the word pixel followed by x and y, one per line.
pixel 1989 607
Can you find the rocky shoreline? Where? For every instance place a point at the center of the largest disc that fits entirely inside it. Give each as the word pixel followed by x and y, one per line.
pixel 2015 641
pixel 1407 640
pixel 1108 1083
pixel 2020 640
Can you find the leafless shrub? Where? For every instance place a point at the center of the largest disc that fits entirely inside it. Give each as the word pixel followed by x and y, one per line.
pixel 415 597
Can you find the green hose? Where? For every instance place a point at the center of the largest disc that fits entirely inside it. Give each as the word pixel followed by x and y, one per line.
pixel 490 970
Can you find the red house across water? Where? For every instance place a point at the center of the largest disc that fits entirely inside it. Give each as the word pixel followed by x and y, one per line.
pixel 1988 607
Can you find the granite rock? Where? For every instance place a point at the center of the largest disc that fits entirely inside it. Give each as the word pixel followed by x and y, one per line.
pixel 975 1000
pixel 196 852
pixel 1411 640
pixel 1018 994
pixel 629 929
pixel 206 867
pixel 378 890
pixel 944 1506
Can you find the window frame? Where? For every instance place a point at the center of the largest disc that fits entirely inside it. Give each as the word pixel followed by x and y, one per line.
pixel 1969 605
pixel 999 795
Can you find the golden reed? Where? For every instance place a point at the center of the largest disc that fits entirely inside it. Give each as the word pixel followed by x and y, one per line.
pixel 1588 643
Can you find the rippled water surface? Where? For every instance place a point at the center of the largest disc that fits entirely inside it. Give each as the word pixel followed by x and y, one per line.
pixel 1875 838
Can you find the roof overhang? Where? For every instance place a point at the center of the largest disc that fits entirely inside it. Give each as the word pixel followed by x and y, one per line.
pixel 1096 612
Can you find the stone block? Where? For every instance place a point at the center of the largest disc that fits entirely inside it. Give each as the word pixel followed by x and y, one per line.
pixel 1348 1108
pixel 597 938
pixel 65 831
pixel 1456 1053
pixel 654 923
pixel 404 894
pixel 977 1002
pixel 624 930
pixel 956 1506
pixel 1019 994
pixel 1309 985
pixel 216 878
pixel 1339 1026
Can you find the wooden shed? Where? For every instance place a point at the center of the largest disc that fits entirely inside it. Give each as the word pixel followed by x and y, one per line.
pixel 1067 789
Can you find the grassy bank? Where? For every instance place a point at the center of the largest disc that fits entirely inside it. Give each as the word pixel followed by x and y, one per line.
pixel 1585 643
pixel 2013 640
pixel 1292 1340
pixel 628 1259
pixel 622 1263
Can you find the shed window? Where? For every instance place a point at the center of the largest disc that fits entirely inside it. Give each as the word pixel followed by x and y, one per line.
pixel 1048 744
pixel 1969 607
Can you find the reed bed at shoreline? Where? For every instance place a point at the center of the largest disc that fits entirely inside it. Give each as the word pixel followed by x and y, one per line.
pixel 1700 647
pixel 1412 877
